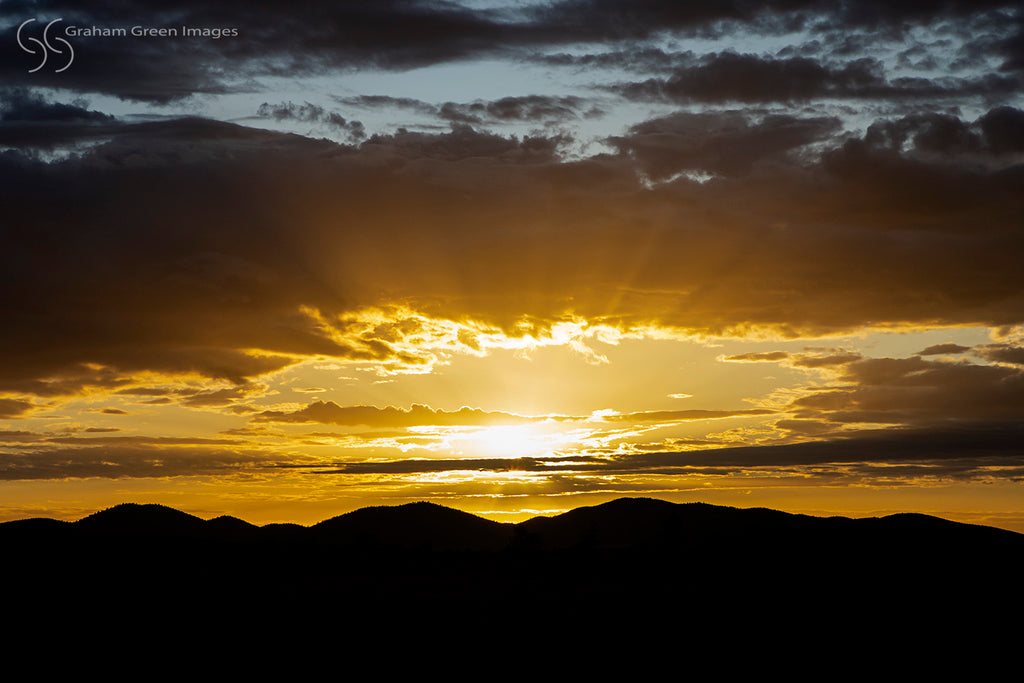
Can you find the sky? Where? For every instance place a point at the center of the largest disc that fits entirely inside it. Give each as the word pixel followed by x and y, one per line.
pixel 286 260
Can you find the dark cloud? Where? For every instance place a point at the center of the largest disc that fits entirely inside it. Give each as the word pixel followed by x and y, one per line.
pixel 21 104
pixel 720 142
pixel 219 397
pixel 912 184
pixel 967 451
pixel 999 132
pixel 611 19
pixel 620 19
pixel 157 70
pixel 329 412
pixel 11 408
pixel 644 60
pixel 378 101
pixel 684 415
pixel 825 360
pixel 940 349
pixel 758 357
pixel 28 119
pixel 873 13
pixel 538 108
pixel 272 38
pixel 463 142
pixel 311 113
pixel 120 457
pixel 275 38
pixel 1002 130
pixel 819 358
pixel 18 436
pixel 191 396
pixel 916 393
pixel 141 440
pixel 1013 47
pixel 732 77
pixel 1002 353
pixel 111 226
pixel 193 252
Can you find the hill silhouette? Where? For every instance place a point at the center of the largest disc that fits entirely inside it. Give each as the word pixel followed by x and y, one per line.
pixel 613 563
pixel 425 526
pixel 625 524
pixel 133 519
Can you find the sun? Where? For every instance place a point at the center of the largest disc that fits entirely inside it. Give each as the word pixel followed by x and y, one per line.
pixel 507 441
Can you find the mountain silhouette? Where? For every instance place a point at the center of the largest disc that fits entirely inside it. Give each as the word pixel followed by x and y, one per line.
pixel 425 567
pixel 133 519
pixel 625 524
pixel 422 525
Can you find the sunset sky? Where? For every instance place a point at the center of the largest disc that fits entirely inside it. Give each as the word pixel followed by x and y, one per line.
pixel 287 260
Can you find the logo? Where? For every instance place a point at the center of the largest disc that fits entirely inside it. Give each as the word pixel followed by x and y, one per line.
pixel 45 47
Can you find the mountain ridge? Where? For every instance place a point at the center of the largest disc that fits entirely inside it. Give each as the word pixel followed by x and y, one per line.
pixel 424 517
pixel 428 565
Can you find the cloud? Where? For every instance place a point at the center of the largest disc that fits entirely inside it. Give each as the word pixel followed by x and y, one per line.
pixel 539 108
pixel 758 357
pixel 263 39
pixel 11 408
pixel 311 113
pixel 547 110
pixel 382 101
pixel 464 142
pixel 890 459
pixel 826 360
pixel 193 254
pixel 913 393
pixel 1002 130
pixel 619 19
pixel 30 120
pixel 18 436
pixel 731 77
pixel 684 415
pixel 720 142
pixel 21 105
pixel 998 133
pixel 119 457
pixel 642 59
pixel 990 453
pixel 273 38
pixel 817 358
pixel 329 412
pixel 947 348
pixel 1002 353
pixel 220 397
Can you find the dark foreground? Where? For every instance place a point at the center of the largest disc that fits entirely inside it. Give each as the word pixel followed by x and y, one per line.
pixel 622 569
